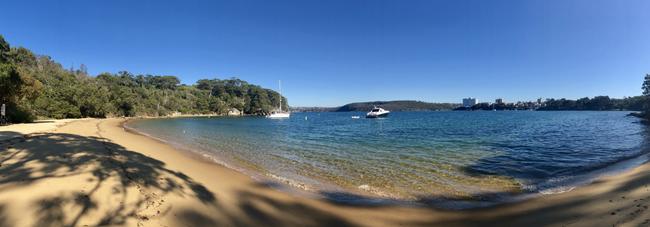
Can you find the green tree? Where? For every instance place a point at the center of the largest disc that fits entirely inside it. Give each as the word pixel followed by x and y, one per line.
pixel 646 95
pixel 10 83
pixel 4 49
pixel 646 85
pixel 35 85
pixel 17 91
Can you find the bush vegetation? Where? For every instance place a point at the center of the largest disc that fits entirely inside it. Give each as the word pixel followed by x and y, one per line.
pixel 36 86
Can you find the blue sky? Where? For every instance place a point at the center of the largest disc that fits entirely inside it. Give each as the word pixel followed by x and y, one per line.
pixel 329 53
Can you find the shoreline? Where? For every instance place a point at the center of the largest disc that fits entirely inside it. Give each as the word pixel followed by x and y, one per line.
pixel 276 182
pixel 367 197
pixel 159 185
pixel 287 185
pixel 311 191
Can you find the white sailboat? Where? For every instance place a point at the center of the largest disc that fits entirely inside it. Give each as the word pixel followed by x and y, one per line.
pixel 278 114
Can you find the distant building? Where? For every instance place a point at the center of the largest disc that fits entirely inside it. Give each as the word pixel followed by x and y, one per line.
pixel 469 102
pixel 498 101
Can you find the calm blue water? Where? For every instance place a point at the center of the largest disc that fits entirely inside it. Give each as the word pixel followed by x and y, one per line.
pixel 412 155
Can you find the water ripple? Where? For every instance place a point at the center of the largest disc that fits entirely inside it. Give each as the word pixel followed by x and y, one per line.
pixel 410 155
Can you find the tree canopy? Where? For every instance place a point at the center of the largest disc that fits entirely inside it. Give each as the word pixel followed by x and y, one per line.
pixel 399 105
pixel 598 103
pixel 646 96
pixel 646 85
pixel 595 103
pixel 36 86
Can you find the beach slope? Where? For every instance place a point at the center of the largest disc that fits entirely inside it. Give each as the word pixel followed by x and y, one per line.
pixel 93 172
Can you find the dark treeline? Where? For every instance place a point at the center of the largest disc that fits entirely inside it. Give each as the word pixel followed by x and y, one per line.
pixel 646 94
pixel 596 103
pixel 36 86
pixel 401 105
pixel 313 109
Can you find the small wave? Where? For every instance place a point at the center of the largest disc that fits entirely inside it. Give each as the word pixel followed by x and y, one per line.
pixel 290 182
pixel 203 154
pixel 557 190
pixel 375 191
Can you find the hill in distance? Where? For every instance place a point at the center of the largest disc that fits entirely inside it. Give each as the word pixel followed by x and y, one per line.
pixel 400 105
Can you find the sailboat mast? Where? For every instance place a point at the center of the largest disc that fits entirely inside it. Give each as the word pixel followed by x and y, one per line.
pixel 280 88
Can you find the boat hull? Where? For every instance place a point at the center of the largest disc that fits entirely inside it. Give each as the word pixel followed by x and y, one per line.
pixel 377 115
pixel 279 115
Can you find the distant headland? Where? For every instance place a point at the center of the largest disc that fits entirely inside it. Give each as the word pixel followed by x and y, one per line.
pixel 398 105
pixel 597 103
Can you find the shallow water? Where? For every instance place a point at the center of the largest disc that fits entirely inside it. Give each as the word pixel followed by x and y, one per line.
pixel 416 155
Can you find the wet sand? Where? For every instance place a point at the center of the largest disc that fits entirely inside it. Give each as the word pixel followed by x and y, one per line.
pixel 93 172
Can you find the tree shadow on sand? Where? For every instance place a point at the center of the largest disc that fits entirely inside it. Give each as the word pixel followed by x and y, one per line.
pixel 138 183
pixel 28 159
pixel 255 209
pixel 619 204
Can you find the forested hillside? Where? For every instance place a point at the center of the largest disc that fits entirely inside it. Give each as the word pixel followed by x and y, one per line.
pixel 36 86
pixel 596 103
pixel 405 105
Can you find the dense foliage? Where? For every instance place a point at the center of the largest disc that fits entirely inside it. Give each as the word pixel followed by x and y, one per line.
pixel 36 86
pixel 597 103
pixel 397 106
pixel 646 97
pixel 313 109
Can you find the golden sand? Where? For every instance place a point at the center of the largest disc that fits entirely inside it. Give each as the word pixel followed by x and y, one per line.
pixel 93 172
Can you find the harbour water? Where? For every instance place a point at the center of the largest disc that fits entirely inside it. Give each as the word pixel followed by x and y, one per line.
pixel 417 155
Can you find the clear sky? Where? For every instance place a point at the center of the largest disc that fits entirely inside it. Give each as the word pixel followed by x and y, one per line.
pixel 329 53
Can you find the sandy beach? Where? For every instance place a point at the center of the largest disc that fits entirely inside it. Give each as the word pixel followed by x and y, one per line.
pixel 93 172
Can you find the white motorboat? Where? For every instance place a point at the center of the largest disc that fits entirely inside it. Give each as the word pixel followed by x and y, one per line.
pixel 377 112
pixel 278 114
